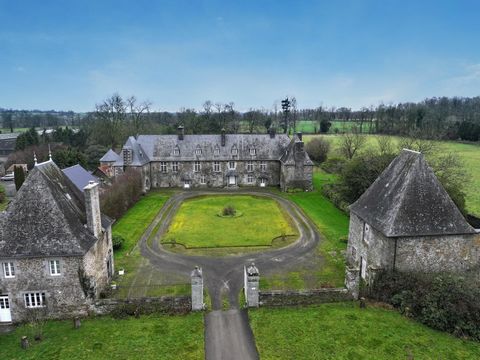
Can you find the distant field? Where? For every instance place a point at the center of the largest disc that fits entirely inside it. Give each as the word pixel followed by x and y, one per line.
pixel 311 127
pixel 343 331
pixel 150 337
pixel 469 153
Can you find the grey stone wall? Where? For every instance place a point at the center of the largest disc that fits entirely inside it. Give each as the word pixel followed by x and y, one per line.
pixel 164 304
pixel 298 176
pixel 308 297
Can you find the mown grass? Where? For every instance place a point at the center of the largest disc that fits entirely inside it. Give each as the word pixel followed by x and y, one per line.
pixel 343 331
pixel 469 153
pixel 197 223
pixel 150 337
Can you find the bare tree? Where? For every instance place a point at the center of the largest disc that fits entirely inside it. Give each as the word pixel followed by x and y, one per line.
pixel 137 111
pixel 351 143
pixel 110 120
pixel 293 104
pixel 384 144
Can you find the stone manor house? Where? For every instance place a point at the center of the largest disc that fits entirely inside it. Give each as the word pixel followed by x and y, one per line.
pixel 406 221
pixel 55 247
pixel 225 160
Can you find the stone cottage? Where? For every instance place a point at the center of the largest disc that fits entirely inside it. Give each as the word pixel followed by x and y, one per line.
pixel 224 160
pixel 406 221
pixel 55 247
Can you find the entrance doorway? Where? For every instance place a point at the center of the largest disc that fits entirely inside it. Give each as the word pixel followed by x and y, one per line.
pixel 263 182
pixel 5 314
pixel 231 180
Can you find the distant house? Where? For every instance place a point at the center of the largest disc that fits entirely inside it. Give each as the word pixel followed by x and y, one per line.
pixel 224 160
pixel 11 168
pixel 55 247
pixel 79 176
pixel 7 145
pixel 406 221
pixel 104 173
pixel 106 163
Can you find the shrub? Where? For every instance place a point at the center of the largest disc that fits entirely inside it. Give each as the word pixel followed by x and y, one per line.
pixel 318 149
pixel 334 165
pixel 444 301
pixel 117 242
pixel 229 211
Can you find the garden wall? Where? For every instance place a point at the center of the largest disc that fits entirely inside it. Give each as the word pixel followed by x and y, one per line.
pixel 164 305
pixel 303 297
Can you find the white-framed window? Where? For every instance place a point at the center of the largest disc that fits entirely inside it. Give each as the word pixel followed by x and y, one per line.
pixel 216 151
pixel 196 166
pixel 163 166
pixel 34 299
pixel 54 267
pixel 175 166
pixel 203 180
pixel 234 150
pixel 250 178
pixel 176 151
pixel 363 271
pixel 198 150
pixel 232 165
pixel 253 151
pixel 8 270
pixel 263 165
pixel 216 166
pixel 250 166
pixel 366 233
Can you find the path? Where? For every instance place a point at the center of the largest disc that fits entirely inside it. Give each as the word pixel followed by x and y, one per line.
pixel 228 336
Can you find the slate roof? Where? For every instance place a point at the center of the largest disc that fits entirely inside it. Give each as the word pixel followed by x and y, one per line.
pixel 288 157
pixel 110 156
pixel 79 176
pixel 148 148
pixel 46 218
pixel 408 200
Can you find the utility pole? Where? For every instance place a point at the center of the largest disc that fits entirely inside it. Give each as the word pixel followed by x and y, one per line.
pixel 286 110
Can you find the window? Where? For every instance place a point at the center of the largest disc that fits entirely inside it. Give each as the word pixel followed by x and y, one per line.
pixel 263 165
pixel 198 151
pixel 196 166
pixel 250 178
pixel 175 166
pixel 203 179
pixel 250 166
pixel 253 151
pixel 176 151
pixel 363 270
pixel 34 300
pixel 8 270
pixel 366 233
pixel 234 150
pixel 54 267
pixel 163 166
pixel 216 166
pixel 231 165
pixel 216 151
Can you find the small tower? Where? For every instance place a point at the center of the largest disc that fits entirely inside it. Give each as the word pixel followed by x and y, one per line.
pixel 252 280
pixel 197 289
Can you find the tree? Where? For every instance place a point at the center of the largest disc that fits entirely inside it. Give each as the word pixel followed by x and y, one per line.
pixel 318 149
pixel 136 113
pixel 66 157
pixel 19 176
pixel 110 117
pixel 351 143
pixel 28 138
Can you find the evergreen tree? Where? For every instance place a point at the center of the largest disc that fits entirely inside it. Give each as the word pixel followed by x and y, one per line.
pixel 19 176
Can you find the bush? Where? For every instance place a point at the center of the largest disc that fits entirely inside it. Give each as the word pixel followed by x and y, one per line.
pixel 444 301
pixel 229 211
pixel 334 165
pixel 318 149
pixel 117 242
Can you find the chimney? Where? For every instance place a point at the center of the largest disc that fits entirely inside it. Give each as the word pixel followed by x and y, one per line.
pixel 271 131
pixel 299 135
pixel 181 132
pixel 224 137
pixel 92 208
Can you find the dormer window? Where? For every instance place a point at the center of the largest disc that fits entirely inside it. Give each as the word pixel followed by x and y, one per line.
pixel 198 150
pixel 216 151
pixel 253 151
pixel 234 150
pixel 176 151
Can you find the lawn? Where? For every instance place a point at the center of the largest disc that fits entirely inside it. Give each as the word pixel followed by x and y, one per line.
pixel 468 152
pixel 150 337
pixel 258 221
pixel 343 331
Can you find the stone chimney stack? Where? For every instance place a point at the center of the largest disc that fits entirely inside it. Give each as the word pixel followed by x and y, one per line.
pixel 197 289
pixel 299 135
pixel 181 132
pixel 271 131
pixel 92 208
pixel 224 137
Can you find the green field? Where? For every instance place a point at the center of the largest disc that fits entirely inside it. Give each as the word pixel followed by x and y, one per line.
pixel 150 337
pixel 468 153
pixel 197 223
pixel 343 331
pixel 311 127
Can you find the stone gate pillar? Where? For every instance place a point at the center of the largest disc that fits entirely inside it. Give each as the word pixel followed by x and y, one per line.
pixel 197 289
pixel 252 284
pixel 352 281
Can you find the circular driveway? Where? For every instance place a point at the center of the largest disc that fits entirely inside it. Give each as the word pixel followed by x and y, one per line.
pixel 225 274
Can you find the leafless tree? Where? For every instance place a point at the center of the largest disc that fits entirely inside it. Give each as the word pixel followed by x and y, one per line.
pixel 351 143
pixel 137 110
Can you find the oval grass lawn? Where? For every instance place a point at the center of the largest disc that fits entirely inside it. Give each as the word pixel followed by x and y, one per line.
pixel 197 223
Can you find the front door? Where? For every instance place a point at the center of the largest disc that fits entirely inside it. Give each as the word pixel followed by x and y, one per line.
pixel 231 180
pixel 263 182
pixel 5 314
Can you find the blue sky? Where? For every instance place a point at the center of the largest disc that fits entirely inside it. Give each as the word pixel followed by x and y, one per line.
pixel 70 55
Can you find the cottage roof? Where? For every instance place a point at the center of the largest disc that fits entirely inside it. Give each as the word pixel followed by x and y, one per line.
pixel 46 218
pixel 79 176
pixel 110 156
pixel 408 200
pixel 289 157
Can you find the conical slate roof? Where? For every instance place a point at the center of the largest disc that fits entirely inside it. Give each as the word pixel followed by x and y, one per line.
pixel 408 200
pixel 110 156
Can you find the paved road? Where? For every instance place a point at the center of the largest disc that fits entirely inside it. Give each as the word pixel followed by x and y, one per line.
pixel 228 336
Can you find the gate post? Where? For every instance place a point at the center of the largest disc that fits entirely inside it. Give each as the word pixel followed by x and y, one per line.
pixel 197 289
pixel 251 285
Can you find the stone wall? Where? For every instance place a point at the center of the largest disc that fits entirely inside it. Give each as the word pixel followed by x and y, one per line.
pixel 95 261
pixel 305 297
pixel 164 304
